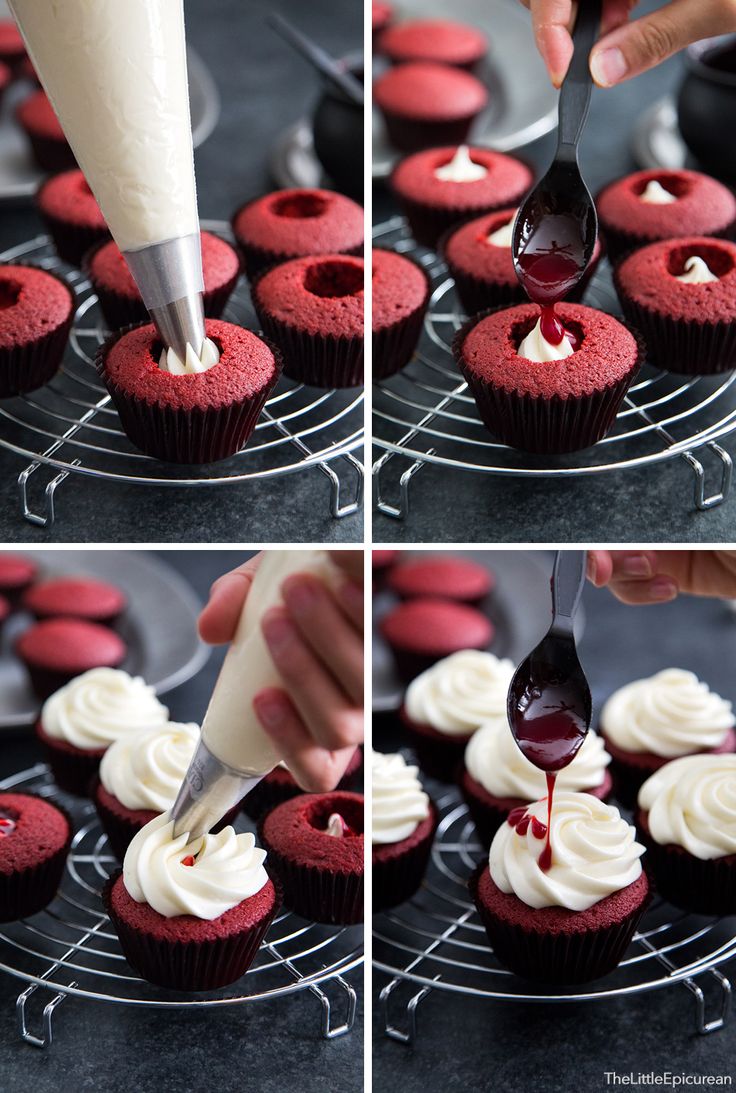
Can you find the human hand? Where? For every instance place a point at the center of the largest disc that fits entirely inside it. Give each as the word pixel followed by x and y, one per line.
pixel 626 48
pixel 656 576
pixel 316 642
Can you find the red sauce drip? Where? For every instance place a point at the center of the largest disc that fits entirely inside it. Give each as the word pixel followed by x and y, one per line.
pixel 521 820
pixel 553 330
pixel 545 858
pixel 189 860
pixel 7 826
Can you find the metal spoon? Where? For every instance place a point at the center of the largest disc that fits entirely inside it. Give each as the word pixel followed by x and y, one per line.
pixel 556 227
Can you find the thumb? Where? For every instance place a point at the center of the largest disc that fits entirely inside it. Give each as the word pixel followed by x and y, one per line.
pixel 644 43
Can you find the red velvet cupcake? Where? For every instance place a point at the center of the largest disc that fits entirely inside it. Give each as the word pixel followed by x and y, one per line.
pixel 6 77
pixel 426 104
pixel 681 295
pixel 656 204
pixel 381 16
pixel 36 117
pixel 400 297
pixel 36 313
pixel 56 650
pixel 438 40
pixel 312 308
pixel 553 406
pixel 17 573
pixel 315 847
pixel 279 785
pixel 75 598
pixel 382 562
pixel 35 837
pixel 441 188
pixel 196 418
pixel 404 823
pixel 421 632
pixel 12 46
pixel 444 576
pixel 478 256
pixel 71 214
pixel 295 223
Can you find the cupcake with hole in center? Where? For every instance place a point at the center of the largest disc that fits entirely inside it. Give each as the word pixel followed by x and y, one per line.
pixel 687 819
pixel 665 716
pixel 403 825
pixel 191 915
pixel 36 313
pixel 572 922
pixel 280 785
pixel 35 836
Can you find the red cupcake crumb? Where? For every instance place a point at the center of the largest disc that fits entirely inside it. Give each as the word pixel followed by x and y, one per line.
pixel 321 295
pixel 400 288
pixel 449 578
pixel 424 104
pixel 383 559
pixel 67 196
pixel 73 597
pixel 31 302
pixel 57 650
pixel 438 40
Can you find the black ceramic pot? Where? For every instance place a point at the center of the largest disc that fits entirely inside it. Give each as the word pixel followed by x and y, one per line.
pixel 706 104
pixel 338 136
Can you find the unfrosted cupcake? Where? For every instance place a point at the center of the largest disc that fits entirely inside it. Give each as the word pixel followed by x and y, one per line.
pixel 666 716
pixel 80 722
pixel 17 573
pixel 35 836
pixel 191 915
pixel 71 214
pixel 56 651
pixel 423 631
pixel 445 705
pixel 400 296
pixel 687 818
pixel 574 921
pixel 424 104
pixel 439 40
pixel 404 822
pixel 497 777
pixel 51 150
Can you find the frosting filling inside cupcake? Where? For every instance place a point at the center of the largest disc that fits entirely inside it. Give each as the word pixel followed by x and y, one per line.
pixel 654 193
pixel 145 769
pixel 399 802
pixel 171 362
pixel 691 802
pixel 503 236
pixel 99 707
pixel 461 168
pixel 594 853
pixel 337 827
pixel 539 348
pixel 669 714
pixel 696 272
pixel 225 869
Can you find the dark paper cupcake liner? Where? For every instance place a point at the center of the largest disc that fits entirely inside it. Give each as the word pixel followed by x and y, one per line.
pixel 192 965
pixel 51 155
pixel 397 877
pixel 318 360
pixel 621 243
pixel 185 436
pixel 411 135
pixel 706 887
pixel 438 754
pixel 563 958
pixel 256 260
pixel 317 894
pixel 25 368
pixel 409 664
pixel 27 891
pixel 72 241
pixel 394 345
pixel 73 768
pixel 545 426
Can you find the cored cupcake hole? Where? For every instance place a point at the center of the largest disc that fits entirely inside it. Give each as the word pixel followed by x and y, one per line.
pixel 158 347
pixel 718 260
pixel 446 160
pixel 318 816
pixel 673 184
pixel 300 206
pixel 520 329
pixel 334 279
pixel 9 294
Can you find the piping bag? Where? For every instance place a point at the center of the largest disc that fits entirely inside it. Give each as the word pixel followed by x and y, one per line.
pixel 234 752
pixel 116 75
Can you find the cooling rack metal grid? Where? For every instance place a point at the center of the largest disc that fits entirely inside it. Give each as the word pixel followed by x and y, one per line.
pixel 72 950
pixel 436 942
pixel 425 414
pixel 71 427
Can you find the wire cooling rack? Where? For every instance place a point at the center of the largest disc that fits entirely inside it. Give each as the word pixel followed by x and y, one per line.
pixel 71 427
pixel 436 942
pixel 425 414
pixel 71 949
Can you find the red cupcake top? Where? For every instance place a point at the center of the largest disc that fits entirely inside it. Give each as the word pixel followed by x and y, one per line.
pixel 399 287
pixel 608 352
pixel 67 196
pixel 297 829
pixel 15 570
pixel 436 627
pixel 434 40
pixel 37 114
pixel 109 269
pixel 429 92
pixel 447 577
pixel 702 206
pixel 32 302
pixel 71 645
pixel 74 597
pixel 321 294
pixel 650 277
pixel 505 182
pixel 11 40
pixel 34 830
pixel 381 559
pixel 381 15
pixel 4 608
pixel 297 222
pixel 246 365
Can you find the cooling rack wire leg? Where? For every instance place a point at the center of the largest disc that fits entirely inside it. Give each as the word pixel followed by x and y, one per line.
pixel 702 1026
pixel 45 519
pixel 328 1031
pixel 47 1035
pixel 701 501
pixel 392 1031
pixel 337 509
pixel 401 510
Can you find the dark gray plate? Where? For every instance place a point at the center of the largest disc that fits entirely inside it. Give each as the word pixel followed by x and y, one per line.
pixel 519 607
pixel 159 626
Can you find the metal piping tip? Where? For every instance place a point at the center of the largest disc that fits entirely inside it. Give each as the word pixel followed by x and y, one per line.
pixel 181 323
pixel 209 790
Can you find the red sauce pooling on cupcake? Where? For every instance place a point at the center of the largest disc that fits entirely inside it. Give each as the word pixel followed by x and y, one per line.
pixel 7 825
pixel 189 860
pixel 520 820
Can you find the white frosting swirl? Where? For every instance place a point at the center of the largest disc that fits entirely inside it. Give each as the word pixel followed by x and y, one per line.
pixel 227 869
pixel 692 803
pixel 696 272
pixel 101 706
pixel 503 236
pixel 493 758
pixel 399 802
pixel 535 346
pixel 461 168
pixel 146 769
pixel 655 194
pixel 460 692
pixel 594 854
pixel 669 714
pixel 170 361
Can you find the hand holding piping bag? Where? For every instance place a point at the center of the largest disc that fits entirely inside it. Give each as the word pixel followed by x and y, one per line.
pixel 656 576
pixel 316 642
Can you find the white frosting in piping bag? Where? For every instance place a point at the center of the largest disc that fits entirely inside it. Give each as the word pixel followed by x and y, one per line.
pixel 145 769
pixel 535 346
pixel 696 272
pixel 503 236
pixel 169 361
pixel 460 692
pixel 655 194
pixel 399 802
pixel 461 168
pixel 692 803
pixel 101 706
pixel 594 854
